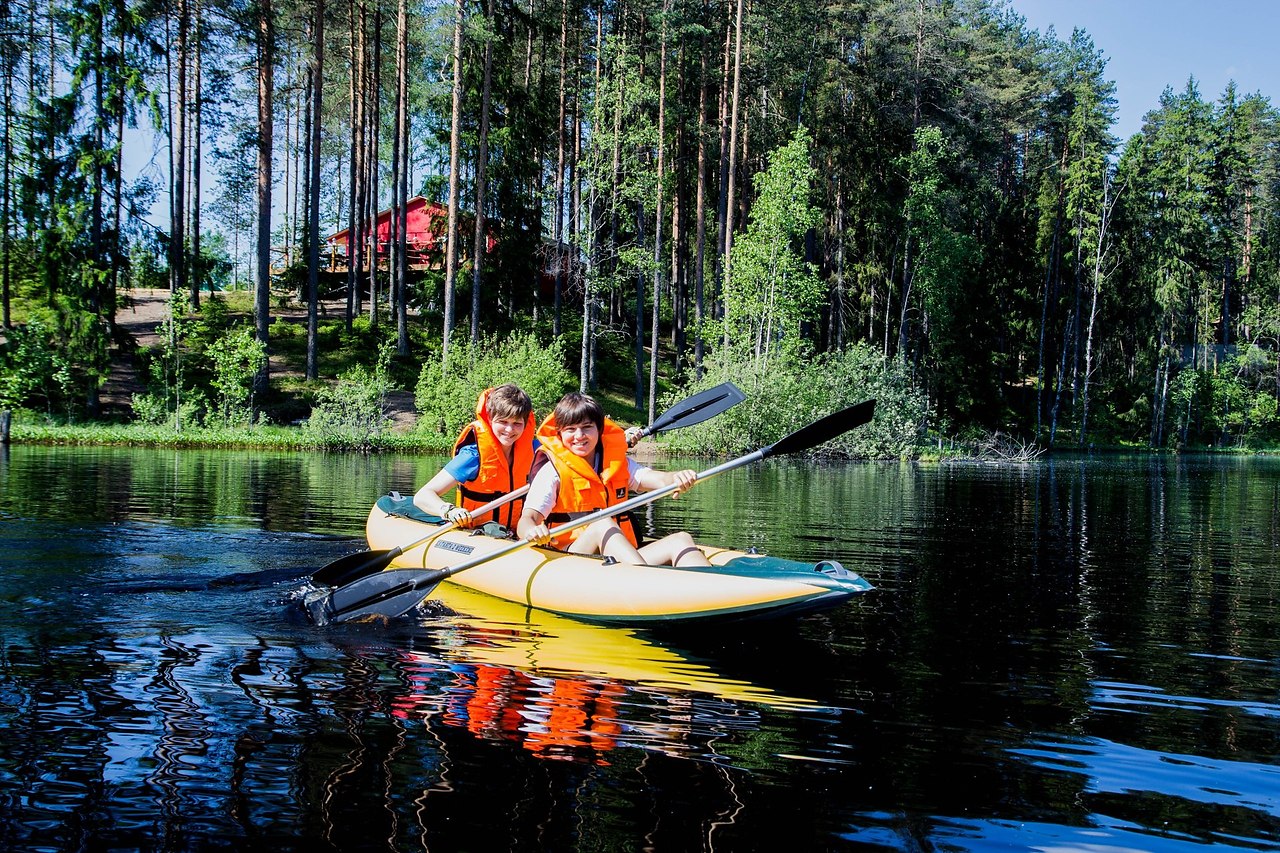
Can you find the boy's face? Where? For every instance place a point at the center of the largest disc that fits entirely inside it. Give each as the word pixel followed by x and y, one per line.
pixel 581 439
pixel 508 430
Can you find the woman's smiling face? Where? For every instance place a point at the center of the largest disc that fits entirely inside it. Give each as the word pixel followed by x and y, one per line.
pixel 581 439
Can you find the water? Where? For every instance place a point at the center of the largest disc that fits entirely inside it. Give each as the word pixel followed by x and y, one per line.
pixel 1077 654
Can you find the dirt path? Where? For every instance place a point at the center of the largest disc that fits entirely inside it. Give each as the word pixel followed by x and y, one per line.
pixel 147 309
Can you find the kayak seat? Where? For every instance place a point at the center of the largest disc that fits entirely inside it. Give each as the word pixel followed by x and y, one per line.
pixel 403 507
pixel 398 505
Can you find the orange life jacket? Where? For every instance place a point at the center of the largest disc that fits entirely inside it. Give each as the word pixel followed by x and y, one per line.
pixel 498 475
pixel 582 488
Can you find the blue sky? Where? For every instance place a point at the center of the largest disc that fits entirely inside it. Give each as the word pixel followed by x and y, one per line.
pixel 1152 44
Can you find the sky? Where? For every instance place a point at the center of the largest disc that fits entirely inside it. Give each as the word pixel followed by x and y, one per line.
pixel 1151 44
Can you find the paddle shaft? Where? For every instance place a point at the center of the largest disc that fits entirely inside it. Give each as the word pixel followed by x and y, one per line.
pixel 475 513
pixel 354 566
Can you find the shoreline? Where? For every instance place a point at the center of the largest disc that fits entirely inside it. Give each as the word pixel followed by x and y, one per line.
pixel 295 439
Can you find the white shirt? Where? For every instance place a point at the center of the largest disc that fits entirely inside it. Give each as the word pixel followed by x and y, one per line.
pixel 545 487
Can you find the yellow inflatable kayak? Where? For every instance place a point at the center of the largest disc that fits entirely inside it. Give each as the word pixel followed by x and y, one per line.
pixel 737 585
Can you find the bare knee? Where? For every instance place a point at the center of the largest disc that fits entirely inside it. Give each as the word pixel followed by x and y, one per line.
pixel 679 549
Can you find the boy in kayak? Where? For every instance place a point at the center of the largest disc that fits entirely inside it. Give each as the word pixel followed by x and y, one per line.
pixel 491 458
pixel 582 466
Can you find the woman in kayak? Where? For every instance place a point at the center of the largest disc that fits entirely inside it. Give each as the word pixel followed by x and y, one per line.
pixel 582 466
pixel 491 458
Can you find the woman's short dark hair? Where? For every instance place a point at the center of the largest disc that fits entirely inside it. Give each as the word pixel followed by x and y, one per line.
pixel 578 408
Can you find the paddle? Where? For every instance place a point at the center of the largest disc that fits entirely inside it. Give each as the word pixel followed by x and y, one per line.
pixel 346 569
pixel 394 593
pixel 700 407
pixel 693 410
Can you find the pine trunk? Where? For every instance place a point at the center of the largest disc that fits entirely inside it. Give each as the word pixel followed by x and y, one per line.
pixel 700 219
pixel 482 160
pixel 178 178
pixel 197 261
pixel 375 124
pixel 401 297
pixel 262 294
pixel 557 216
pixel 455 146
pixel 658 216
pixel 355 242
pixel 313 194
pixel 733 164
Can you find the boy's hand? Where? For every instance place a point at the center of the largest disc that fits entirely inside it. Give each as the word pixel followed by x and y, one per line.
pixel 683 480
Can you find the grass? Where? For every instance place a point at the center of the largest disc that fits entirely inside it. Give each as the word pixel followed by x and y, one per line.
pixel 232 438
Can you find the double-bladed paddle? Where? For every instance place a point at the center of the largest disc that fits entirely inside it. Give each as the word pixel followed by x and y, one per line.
pixel 692 410
pixel 393 593
pixel 346 569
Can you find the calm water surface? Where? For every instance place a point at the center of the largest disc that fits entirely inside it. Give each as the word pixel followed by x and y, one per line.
pixel 1071 655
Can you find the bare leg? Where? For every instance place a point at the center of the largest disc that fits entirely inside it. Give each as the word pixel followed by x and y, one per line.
pixel 605 537
pixel 677 549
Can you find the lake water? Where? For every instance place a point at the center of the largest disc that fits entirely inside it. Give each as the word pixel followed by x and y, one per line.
pixel 1068 655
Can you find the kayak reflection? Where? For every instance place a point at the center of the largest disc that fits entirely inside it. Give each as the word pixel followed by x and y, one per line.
pixel 569 690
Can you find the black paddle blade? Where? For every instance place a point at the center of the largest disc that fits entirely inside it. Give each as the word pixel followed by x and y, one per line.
pixel 698 408
pixel 346 569
pixel 386 594
pixel 823 430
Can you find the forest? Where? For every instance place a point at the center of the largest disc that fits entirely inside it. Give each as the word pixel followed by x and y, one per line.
pixel 814 199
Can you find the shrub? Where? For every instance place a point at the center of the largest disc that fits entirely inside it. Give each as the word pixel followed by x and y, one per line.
pixel 237 358
pixel 158 409
pixel 447 402
pixel 797 391
pixel 33 369
pixel 352 413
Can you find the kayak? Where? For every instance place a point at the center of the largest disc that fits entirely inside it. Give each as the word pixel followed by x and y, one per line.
pixel 738 584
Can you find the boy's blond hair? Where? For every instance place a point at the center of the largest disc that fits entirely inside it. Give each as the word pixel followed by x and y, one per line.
pixel 508 402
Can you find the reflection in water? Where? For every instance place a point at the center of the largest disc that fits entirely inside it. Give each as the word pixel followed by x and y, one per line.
pixel 1077 654
pixel 569 690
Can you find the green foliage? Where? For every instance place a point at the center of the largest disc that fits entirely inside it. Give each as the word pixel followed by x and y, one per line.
pixel 945 209
pixel 33 371
pixel 1232 405
pixel 945 256
pixel 237 358
pixel 796 391
pixel 772 289
pixel 202 370
pixel 352 413
pixel 447 401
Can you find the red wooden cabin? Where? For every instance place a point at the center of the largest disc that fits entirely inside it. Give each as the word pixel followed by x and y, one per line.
pixel 426 230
